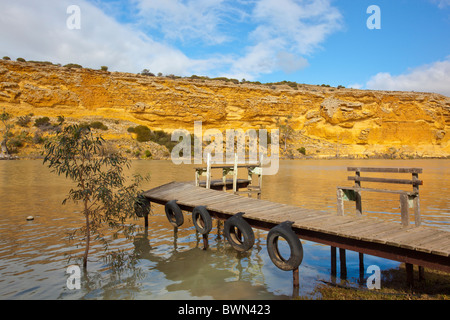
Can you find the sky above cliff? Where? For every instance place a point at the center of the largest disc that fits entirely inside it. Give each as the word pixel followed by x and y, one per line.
pixel 396 45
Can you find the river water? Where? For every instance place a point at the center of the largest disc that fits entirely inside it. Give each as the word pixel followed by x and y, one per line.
pixel 172 265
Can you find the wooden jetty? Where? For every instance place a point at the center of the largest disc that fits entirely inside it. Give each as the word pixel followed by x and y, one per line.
pixel 411 244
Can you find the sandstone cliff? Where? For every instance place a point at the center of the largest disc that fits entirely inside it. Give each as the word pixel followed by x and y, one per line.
pixel 327 121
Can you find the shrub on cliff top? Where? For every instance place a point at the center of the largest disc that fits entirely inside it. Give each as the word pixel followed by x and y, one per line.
pixel 72 65
pixel 23 121
pixel 143 133
pixel 42 122
pixel 94 125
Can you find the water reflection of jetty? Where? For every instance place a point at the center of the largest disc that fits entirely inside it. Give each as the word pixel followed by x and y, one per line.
pixel 211 275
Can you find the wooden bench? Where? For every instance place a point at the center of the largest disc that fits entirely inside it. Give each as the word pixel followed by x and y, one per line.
pixel 408 199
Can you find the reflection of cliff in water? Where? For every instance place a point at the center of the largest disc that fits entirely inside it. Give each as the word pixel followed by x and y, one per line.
pixel 207 273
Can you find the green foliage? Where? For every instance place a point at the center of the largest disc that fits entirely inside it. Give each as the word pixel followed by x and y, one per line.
pixel 98 125
pixel 302 150
pixel 292 84
pixel 21 59
pixel 163 138
pixel 4 118
pixel 60 120
pixel 23 121
pixel 148 154
pixel 94 125
pixel 99 184
pixel 104 68
pixel 72 65
pixel 286 130
pixel 37 138
pixel 147 72
pixel 235 81
pixel 45 63
pixel 18 141
pixel 6 58
pixel 42 122
pixel 196 77
pixel 143 133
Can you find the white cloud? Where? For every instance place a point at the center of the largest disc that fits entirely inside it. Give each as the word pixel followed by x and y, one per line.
pixel 273 34
pixel 441 3
pixel 289 62
pixel 302 25
pixel 286 31
pixel 355 86
pixel 280 32
pixel 188 20
pixel 434 77
pixel 36 30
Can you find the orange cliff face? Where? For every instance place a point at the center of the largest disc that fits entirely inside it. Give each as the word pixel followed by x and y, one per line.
pixel 362 122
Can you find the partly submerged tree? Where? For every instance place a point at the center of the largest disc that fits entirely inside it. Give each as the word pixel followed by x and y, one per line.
pixel 4 118
pixel 286 129
pixel 100 183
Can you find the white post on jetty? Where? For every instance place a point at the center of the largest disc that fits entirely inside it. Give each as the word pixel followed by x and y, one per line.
pixel 261 159
pixel 208 171
pixel 235 173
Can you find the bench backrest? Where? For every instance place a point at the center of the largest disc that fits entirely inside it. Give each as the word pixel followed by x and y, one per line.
pixel 414 181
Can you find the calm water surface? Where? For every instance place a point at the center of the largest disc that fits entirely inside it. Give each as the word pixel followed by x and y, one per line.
pixel 172 265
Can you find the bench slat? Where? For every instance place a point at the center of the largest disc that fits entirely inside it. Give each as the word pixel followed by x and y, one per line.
pixel 410 193
pixel 385 180
pixel 392 170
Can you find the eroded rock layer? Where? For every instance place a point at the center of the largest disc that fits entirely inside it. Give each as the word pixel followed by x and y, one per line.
pixel 363 122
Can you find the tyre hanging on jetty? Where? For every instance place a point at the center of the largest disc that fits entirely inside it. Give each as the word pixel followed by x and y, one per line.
pixel 239 233
pixel 202 220
pixel 284 230
pixel 174 213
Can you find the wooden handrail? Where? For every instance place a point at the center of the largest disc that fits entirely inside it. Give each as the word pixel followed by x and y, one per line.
pixel 391 170
pixel 385 180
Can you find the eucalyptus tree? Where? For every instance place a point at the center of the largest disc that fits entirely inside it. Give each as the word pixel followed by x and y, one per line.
pixel 100 184
pixel 4 118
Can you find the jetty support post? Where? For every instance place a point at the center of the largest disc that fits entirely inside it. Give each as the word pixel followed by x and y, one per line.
pixel 205 242
pixel 333 261
pixel 296 282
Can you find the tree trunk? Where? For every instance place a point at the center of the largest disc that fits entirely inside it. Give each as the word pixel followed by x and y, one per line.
pixel 88 236
pixel 4 148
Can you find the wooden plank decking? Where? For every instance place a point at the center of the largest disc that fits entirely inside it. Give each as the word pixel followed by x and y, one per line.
pixel 422 246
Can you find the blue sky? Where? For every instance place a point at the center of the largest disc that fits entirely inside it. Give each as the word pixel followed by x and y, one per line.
pixel 307 41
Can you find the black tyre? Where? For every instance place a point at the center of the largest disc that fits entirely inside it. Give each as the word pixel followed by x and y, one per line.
pixel 239 233
pixel 284 230
pixel 174 213
pixel 142 206
pixel 202 220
